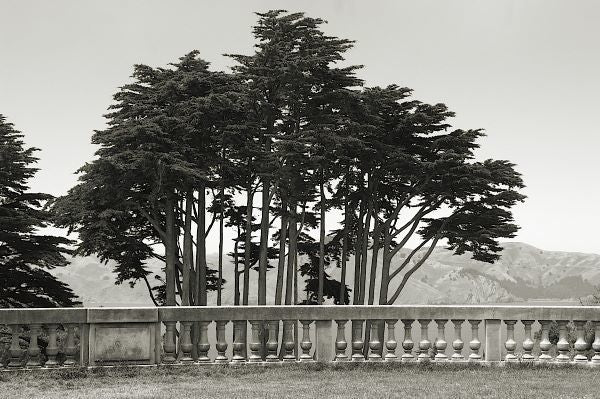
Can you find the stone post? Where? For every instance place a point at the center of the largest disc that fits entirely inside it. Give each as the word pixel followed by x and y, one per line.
pixel 596 344
pixel 221 345
pixel 288 341
pixel 475 343
pixel 391 344
pixel 527 342
pixel 493 344
pixel 375 346
pixel 580 344
pixel 424 343
pixel 340 342
pixel 545 343
pixel 324 341
pixel 408 343
pixel 203 344
pixel 306 343
pixel 186 342
pixel 357 341
pixel 458 343
pixel 440 342
pixel 15 349
pixel 510 344
pixel 562 345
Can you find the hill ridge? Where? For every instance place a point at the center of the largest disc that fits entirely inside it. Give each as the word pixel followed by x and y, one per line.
pixel 523 273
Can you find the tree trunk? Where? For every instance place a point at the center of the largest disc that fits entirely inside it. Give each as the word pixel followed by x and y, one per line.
pixel 385 268
pixel 170 251
pixel 372 275
pixel 281 260
pixel 358 253
pixel 321 241
pixel 264 234
pixel 236 271
pixel 344 250
pixel 363 261
pixel 248 241
pixel 293 249
pixel 187 250
pixel 201 247
pixel 374 258
pixel 220 271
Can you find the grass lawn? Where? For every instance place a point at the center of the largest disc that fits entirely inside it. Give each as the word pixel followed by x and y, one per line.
pixel 303 381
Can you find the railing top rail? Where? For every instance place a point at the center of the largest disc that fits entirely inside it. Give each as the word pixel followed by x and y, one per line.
pixel 43 316
pixel 296 312
pixel 362 312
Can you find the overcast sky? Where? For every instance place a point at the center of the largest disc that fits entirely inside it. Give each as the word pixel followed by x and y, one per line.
pixel 525 71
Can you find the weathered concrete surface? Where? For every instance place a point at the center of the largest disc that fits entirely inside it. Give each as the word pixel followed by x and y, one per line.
pixel 493 341
pixel 327 312
pixel 122 343
pixel 122 315
pixel 43 316
pixel 324 348
pixel 379 312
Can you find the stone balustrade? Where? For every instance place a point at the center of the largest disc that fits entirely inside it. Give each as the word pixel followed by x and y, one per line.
pixel 288 334
pixel 29 324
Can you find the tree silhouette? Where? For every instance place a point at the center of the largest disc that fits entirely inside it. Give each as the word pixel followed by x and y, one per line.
pixel 26 254
pixel 189 145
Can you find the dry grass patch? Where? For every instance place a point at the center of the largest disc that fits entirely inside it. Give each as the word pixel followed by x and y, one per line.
pixel 303 381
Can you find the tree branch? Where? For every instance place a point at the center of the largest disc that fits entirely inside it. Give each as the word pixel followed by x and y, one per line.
pixel 150 291
pixel 407 260
pixel 407 236
pixel 214 217
pixel 155 224
pixel 413 269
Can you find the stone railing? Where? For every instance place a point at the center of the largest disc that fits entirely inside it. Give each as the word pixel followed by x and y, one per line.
pixel 274 334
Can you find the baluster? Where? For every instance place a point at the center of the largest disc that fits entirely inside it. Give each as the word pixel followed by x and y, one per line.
pixel 596 344
pixel 391 343
pixel 458 343
pixel 475 343
pixel 510 343
pixel 186 342
pixel 357 341
pixel 272 343
pixel 239 342
pixel 70 347
pixel 203 344
pixel 288 341
pixel 221 342
pixel 424 343
pixel 15 349
pixel 440 342
pixel 545 343
pixel 169 344
pixel 306 344
pixel 527 342
pixel 374 344
pixel 562 345
pixel 407 344
pixel 580 344
pixel 52 348
pixel 255 343
pixel 34 350
pixel 340 342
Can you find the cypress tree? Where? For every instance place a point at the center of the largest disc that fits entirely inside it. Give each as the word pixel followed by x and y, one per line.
pixel 26 254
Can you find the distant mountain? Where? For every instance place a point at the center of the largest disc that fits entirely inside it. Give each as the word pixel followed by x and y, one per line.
pixel 524 273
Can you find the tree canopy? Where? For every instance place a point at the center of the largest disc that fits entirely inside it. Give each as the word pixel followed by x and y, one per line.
pixel 26 254
pixel 186 147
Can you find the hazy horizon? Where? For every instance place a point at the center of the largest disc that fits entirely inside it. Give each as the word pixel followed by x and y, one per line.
pixel 525 71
